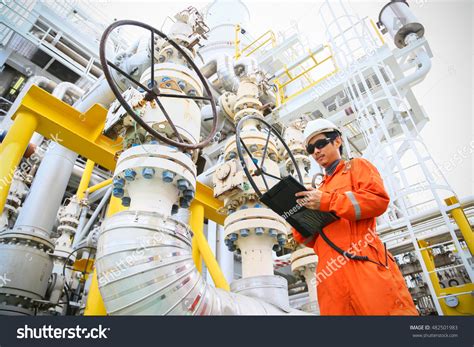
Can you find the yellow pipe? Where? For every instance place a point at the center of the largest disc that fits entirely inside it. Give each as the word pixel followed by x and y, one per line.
pixel 428 259
pixel 462 222
pixel 197 226
pixel 237 42
pixel 99 186
pixel 197 221
pixel 12 149
pixel 95 305
pixel 196 254
pixel 85 179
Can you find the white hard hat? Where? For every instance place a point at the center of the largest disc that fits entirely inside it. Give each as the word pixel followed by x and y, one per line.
pixel 318 126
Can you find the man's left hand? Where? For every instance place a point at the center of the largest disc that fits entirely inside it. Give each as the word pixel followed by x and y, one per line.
pixel 310 199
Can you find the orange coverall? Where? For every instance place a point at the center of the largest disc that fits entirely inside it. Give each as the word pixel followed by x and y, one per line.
pixel 355 192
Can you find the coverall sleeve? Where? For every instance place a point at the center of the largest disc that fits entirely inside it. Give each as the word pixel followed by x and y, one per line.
pixel 368 198
pixel 307 241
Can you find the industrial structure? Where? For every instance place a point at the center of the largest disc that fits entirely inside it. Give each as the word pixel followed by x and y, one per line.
pixel 122 185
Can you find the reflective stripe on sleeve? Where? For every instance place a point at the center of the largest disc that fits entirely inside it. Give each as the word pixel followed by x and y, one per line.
pixel 356 205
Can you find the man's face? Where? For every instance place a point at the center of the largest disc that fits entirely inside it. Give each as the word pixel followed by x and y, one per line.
pixel 326 155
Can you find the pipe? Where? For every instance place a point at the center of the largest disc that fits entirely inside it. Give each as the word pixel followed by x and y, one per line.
pixel 78 171
pixel 144 266
pixel 80 234
pixel 98 186
pixel 209 69
pixel 226 73
pixel 85 180
pixel 12 149
pixel 199 240
pixel 30 149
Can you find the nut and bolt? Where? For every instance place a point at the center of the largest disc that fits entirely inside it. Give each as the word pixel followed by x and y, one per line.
pixel 183 184
pixel 184 203
pixel 118 182
pixel 117 192
pixel 148 172
pixel 126 201
pixel 244 232
pixel 130 174
pixel 168 176
pixel 259 231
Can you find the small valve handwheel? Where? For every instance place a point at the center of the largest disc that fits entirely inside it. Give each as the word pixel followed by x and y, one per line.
pixel 153 92
pixel 260 169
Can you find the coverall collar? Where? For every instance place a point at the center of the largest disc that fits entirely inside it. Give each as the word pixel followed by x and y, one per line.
pixel 332 168
pixel 340 164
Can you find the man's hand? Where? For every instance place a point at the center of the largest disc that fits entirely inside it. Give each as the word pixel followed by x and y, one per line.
pixel 310 198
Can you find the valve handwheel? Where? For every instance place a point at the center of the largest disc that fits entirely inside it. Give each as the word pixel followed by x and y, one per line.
pixel 260 169
pixel 153 92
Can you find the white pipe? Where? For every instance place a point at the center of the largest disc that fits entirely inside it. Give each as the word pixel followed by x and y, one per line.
pixel 226 73
pixel 145 267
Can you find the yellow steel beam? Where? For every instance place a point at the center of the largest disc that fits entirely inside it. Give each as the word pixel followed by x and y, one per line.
pixel 205 196
pixel 462 222
pixel 80 132
pixel 197 226
pixel 12 149
pixel 85 180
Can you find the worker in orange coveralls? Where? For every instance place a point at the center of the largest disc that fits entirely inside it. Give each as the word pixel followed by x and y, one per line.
pixel 354 191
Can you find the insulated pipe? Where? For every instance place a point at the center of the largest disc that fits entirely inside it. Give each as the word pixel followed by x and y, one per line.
pixel 226 73
pixel 209 69
pixel 41 206
pixel 145 267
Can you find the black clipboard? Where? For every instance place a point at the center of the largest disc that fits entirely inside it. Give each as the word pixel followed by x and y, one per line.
pixel 282 200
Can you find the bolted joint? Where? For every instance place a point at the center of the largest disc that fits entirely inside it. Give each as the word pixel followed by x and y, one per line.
pixel 148 173
pixel 184 203
pixel 168 176
pixel 117 192
pixel 183 185
pixel 118 182
pixel 244 232
pixel 126 201
pixel 259 231
pixel 130 174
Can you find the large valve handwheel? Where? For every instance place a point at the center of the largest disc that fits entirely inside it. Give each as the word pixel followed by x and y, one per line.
pixel 152 92
pixel 260 168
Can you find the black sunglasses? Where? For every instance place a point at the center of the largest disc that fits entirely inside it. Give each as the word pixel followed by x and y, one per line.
pixel 318 144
